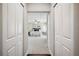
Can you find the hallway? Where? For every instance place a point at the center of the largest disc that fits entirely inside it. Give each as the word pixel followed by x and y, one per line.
pixel 39 29
pixel 37 45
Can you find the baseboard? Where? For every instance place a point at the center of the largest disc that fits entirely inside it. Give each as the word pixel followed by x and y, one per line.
pixel 50 52
pixel 26 53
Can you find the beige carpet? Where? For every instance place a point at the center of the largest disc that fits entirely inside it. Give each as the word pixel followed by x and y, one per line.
pixel 37 45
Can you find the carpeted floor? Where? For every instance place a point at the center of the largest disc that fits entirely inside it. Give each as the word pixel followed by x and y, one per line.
pixel 37 45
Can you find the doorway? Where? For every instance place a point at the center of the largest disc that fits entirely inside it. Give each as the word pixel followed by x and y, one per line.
pixel 37 34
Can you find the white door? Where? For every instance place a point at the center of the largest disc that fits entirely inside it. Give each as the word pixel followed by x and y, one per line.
pixel 11 28
pixel 63 30
pixel 67 29
pixel 19 28
pixel 58 30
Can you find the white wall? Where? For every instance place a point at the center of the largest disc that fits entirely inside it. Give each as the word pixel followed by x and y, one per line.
pixel 76 29
pixel 38 7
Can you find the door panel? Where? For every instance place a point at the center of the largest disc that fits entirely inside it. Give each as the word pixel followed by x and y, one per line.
pixel 11 25
pixel 58 49
pixel 58 38
pixel 58 30
pixel 67 43
pixel 58 20
pixel 11 52
pixel 11 43
pixel 11 21
pixel 67 20
pixel 66 51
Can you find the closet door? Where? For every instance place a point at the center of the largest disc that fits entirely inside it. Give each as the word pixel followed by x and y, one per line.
pixel 63 30
pixel 19 28
pixel 58 30
pixel 11 28
pixel 67 29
